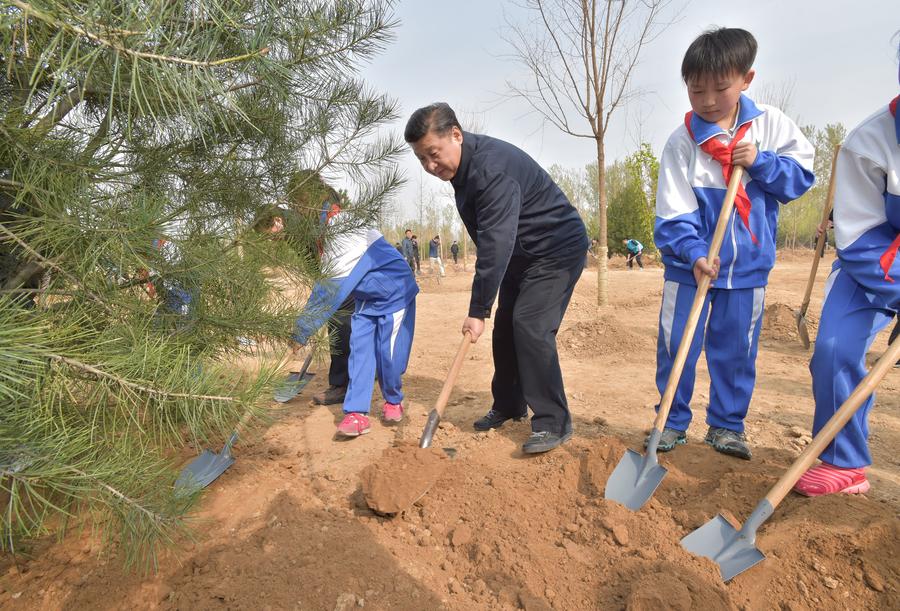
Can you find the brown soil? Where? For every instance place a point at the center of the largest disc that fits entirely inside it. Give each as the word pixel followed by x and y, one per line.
pixel 289 526
pixel 780 323
pixel 401 476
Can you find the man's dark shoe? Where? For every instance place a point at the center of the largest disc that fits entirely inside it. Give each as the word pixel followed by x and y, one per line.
pixel 728 442
pixel 332 396
pixel 668 440
pixel 544 441
pixel 493 420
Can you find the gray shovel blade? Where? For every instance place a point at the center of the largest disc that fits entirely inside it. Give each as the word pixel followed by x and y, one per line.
pixel 733 550
pixel 203 470
pixel 430 427
pixel 634 480
pixel 291 387
pixel 802 329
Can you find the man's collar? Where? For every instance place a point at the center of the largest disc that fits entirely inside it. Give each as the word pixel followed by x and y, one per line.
pixel 465 156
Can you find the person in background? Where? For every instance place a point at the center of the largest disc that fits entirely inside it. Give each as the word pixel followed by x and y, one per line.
pixel 454 252
pixel 417 254
pixel 635 249
pixel 407 249
pixel 434 254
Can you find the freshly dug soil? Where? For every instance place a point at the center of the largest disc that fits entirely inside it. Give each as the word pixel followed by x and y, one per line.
pixel 401 476
pixel 780 323
pixel 604 336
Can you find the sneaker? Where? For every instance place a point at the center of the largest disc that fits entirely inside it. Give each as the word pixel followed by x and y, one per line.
pixel 668 440
pixel 332 396
pixel 354 425
pixel 493 419
pixel 544 441
pixel 827 479
pixel 392 412
pixel 728 442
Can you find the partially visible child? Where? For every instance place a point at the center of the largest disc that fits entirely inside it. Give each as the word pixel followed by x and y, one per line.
pixel 724 128
pixel 359 263
pixel 862 294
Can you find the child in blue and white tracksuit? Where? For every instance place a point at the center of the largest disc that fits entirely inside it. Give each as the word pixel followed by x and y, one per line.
pixel 691 192
pixel 360 263
pixel 862 294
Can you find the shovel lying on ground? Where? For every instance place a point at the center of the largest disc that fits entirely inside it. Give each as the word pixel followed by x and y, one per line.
pixel 294 383
pixel 636 477
pixel 735 550
pixel 802 328
pixel 434 417
pixel 203 470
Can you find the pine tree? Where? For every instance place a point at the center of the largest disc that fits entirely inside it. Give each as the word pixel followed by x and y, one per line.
pixel 138 142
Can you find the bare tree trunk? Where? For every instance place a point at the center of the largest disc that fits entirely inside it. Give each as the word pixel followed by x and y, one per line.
pixel 602 243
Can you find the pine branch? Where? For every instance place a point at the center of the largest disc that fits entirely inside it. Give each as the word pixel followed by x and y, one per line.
pixel 30 9
pixel 134 386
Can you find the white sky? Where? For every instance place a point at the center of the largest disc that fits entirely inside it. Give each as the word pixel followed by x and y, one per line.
pixel 840 56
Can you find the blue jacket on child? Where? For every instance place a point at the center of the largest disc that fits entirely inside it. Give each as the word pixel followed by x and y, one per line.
pixel 360 263
pixel 690 196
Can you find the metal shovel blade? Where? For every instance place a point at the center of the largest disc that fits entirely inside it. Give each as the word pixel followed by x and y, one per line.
pixel 802 329
pixel 733 550
pixel 291 387
pixel 430 428
pixel 203 470
pixel 634 479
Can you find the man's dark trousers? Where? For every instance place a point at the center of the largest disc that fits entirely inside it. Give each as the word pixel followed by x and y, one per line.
pixel 339 338
pixel 533 298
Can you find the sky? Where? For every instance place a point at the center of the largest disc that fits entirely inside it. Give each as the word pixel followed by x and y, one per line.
pixel 836 59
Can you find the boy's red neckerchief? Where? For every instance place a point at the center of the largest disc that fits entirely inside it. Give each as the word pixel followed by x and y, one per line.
pixel 722 153
pixel 888 256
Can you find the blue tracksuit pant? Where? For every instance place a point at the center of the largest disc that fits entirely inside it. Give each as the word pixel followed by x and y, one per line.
pixel 851 318
pixel 730 322
pixel 379 345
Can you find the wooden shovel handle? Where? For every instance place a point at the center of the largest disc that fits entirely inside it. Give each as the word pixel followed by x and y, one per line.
pixel 454 372
pixel 834 425
pixel 690 326
pixel 820 242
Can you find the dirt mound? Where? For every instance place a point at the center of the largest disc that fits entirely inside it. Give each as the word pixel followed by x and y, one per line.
pixel 403 474
pixel 601 337
pixel 780 323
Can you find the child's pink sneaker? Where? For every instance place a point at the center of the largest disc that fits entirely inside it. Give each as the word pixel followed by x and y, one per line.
pixel 392 412
pixel 353 425
pixel 827 479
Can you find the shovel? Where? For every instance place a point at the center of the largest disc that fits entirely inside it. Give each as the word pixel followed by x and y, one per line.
pixel 294 383
pixel 636 477
pixel 735 550
pixel 203 470
pixel 434 417
pixel 802 329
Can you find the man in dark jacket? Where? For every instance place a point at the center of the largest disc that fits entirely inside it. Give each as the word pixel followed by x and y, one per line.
pixel 531 243
pixel 408 250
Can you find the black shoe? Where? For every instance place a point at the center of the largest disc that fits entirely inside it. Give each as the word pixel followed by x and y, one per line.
pixel 493 420
pixel 332 396
pixel 728 442
pixel 544 441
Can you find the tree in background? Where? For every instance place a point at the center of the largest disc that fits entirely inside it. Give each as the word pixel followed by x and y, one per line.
pixel 580 56
pixel 799 219
pixel 138 141
pixel 630 191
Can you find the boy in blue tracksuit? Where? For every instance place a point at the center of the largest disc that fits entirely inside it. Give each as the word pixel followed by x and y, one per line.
pixel 723 129
pixel 360 263
pixel 862 294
